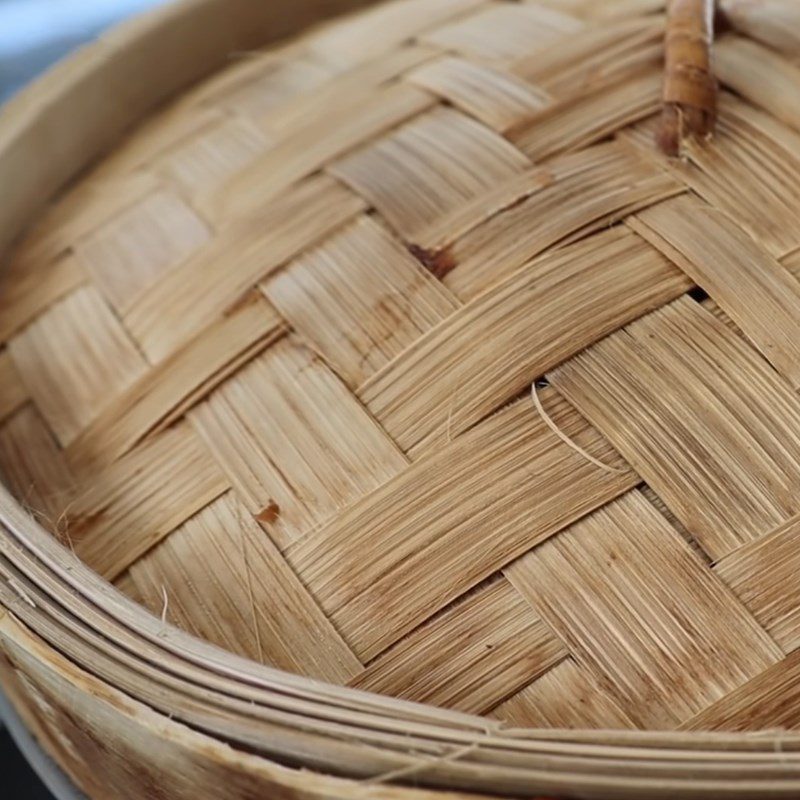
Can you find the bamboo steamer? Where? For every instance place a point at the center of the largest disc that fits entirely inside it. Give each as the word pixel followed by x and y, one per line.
pixel 382 415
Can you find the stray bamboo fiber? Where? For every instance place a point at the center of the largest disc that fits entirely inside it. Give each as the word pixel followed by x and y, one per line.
pixel 387 417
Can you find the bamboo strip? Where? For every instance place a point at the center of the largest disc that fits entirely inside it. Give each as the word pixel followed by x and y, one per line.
pixel 78 213
pixel 433 240
pixel 12 392
pixel 383 28
pixel 24 295
pixel 290 75
pixel 763 574
pixel 201 163
pixel 416 543
pixel 148 141
pixel 494 97
pixel 775 23
pixel 762 77
pixel 323 137
pixel 761 297
pixel 769 700
pixel 649 589
pixel 294 442
pixel 179 306
pixel 133 250
pixel 594 56
pixel 350 88
pixel 34 468
pixel 359 317
pixel 503 31
pixel 470 656
pixel 752 150
pixel 455 160
pixel 174 385
pixel 443 384
pixel 580 121
pixel 140 500
pixel 73 359
pixel 618 9
pixel 219 577
pixel 541 703
pixel 588 191
pixel 701 417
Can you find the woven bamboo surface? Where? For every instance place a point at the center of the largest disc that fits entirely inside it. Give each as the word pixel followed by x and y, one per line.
pixel 399 357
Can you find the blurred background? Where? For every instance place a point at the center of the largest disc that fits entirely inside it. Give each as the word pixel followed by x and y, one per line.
pixel 34 34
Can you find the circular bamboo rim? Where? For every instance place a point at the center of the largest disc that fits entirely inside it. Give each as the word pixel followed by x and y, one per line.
pixel 65 623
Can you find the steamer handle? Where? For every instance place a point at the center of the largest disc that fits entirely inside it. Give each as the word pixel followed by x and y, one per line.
pixel 690 88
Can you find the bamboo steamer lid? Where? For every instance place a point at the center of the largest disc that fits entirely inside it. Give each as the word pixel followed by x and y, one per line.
pixel 397 356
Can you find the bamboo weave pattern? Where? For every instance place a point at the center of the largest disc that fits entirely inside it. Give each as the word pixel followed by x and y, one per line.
pixel 268 367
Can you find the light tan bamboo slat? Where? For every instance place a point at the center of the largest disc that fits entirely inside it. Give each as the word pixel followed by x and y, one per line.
pixel 133 250
pixel 73 358
pixel 469 657
pixel 577 295
pixel 380 570
pixel 583 120
pixel 345 89
pixel 229 584
pixel 769 699
pixel 678 358
pixel 12 392
pixel 322 138
pixel 457 160
pixel 759 295
pixel 775 23
pixel 371 313
pixel 764 78
pixel 383 28
pixel 25 295
pixel 174 385
pixel 618 9
pixel 270 88
pixel 496 98
pixel 143 145
pixel 675 523
pixel 153 490
pixel 585 191
pixel 79 213
pixel 257 244
pixel 200 164
pixel 792 262
pixel 595 56
pixel 541 703
pixel 763 574
pixel 747 143
pixel 293 462
pixel 624 568
pixel 503 31
pixel 34 468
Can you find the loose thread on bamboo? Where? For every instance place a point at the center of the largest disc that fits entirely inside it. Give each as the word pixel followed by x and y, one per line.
pixel 165 605
pixel 422 766
pixel 690 88
pixel 20 592
pixel 564 438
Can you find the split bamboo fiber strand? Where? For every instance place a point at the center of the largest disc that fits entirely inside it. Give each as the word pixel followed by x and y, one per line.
pixel 268 367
